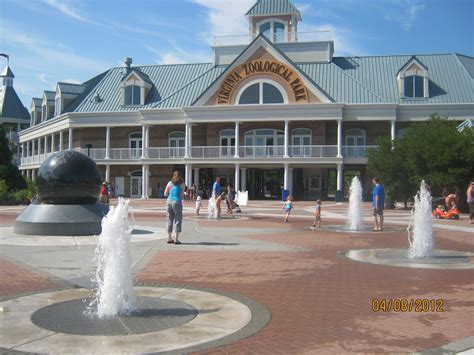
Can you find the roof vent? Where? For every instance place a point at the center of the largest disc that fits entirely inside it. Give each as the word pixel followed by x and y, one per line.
pixel 128 63
pixel 97 98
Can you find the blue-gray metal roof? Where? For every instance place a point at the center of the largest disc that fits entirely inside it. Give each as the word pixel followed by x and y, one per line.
pixel 166 79
pixel 37 101
pixel 273 7
pixel 141 75
pixel 50 95
pixel 10 104
pixel 449 80
pixel 468 63
pixel 69 88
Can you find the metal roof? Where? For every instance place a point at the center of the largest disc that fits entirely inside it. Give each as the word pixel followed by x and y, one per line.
pixel 50 95
pixel 69 88
pixel 273 7
pixel 7 72
pixel 37 101
pixel 166 79
pixel 10 104
pixel 140 74
pixel 468 63
pixel 449 79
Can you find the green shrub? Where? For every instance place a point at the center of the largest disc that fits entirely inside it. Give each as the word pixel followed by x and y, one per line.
pixel 3 190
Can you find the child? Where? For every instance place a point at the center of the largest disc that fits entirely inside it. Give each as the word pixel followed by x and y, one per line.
pixel 218 204
pixel 198 205
pixel 317 215
pixel 288 207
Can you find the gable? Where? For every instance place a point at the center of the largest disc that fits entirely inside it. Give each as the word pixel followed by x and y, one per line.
pixel 261 60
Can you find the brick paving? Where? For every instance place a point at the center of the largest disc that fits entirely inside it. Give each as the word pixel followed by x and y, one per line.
pixel 321 302
pixel 16 279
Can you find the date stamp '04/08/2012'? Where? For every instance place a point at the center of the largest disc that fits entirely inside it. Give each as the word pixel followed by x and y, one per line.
pixel 407 305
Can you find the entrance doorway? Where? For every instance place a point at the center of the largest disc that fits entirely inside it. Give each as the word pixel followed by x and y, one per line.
pixel 119 186
pixel 265 183
pixel 136 184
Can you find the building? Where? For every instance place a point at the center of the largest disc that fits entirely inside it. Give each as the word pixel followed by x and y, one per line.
pixel 13 115
pixel 274 110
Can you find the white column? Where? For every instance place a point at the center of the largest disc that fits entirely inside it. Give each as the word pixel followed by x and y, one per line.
pixel 143 143
pixel 186 140
pixel 196 177
pixel 147 138
pixel 339 138
pixel 143 180
pixel 39 146
pixel 187 174
pixel 52 143
pixel 393 133
pixel 33 175
pixel 22 150
pixel 60 140
pixel 107 173
pixel 28 174
pixel 147 181
pixel 190 142
pixel 243 179
pixel 237 138
pixel 286 177
pixel 339 177
pixel 107 143
pixel 237 178
pixel 45 144
pixel 287 138
pixel 70 139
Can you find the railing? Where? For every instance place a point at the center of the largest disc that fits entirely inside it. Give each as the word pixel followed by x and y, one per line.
pixel 313 151
pixel 356 151
pixel 279 37
pixel 275 151
pixel 35 159
pixel 213 152
pixel 166 153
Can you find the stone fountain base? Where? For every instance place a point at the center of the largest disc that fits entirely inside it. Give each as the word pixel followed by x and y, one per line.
pixel 61 220
pixel 440 259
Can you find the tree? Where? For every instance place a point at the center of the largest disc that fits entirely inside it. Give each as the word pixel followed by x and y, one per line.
pixel 8 171
pixel 434 151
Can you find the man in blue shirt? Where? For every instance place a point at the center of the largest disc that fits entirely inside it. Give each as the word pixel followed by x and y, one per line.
pixel 216 188
pixel 378 200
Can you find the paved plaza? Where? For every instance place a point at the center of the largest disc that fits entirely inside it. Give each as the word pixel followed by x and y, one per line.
pixel 267 287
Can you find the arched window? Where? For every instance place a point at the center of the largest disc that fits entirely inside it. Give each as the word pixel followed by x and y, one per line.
pixel 132 95
pixel 301 139
pixel 135 143
pixel 273 29
pixel 414 86
pixel 177 143
pixel 264 142
pixel 262 92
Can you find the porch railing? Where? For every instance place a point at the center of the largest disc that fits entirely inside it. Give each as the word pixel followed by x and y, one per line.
pixel 356 151
pixel 313 151
pixel 277 37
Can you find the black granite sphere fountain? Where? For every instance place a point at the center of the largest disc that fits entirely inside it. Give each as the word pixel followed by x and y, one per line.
pixel 68 185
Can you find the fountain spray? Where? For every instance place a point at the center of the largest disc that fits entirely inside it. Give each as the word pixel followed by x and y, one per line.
pixel 421 237
pixel 355 221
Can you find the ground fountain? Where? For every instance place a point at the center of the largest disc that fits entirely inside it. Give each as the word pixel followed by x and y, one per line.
pixel 355 220
pixel 420 237
pixel 212 208
pixel 114 292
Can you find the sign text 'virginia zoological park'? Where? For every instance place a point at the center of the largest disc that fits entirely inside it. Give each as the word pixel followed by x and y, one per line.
pixel 233 79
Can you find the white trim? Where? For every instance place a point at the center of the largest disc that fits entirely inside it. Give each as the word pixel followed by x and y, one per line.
pixel 272 28
pixel 261 82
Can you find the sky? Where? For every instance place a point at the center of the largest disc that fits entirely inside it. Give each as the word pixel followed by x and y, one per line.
pixel 74 40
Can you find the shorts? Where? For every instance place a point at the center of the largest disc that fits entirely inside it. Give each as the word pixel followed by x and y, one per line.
pixel 471 210
pixel 377 211
pixel 317 218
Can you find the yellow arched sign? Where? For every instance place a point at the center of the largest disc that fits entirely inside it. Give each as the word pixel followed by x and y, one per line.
pixel 259 67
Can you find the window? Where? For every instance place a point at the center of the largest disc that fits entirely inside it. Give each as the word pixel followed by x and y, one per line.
pixel 264 142
pixel 177 143
pixel 135 144
pixel 301 142
pixel 273 30
pixel 414 86
pixel 227 139
pixel 262 92
pixel 132 95
pixel 355 142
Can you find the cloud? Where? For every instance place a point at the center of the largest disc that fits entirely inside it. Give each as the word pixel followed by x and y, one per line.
pixel 43 79
pixel 67 9
pixel 405 12
pixel 225 20
pixel 177 55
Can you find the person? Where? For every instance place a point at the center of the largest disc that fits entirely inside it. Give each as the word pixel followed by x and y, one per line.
pixel 470 200
pixel 450 201
pixel 218 204
pixel 230 198
pixel 110 190
pixel 288 207
pixel 174 192
pixel 216 187
pixel 198 205
pixel 186 193
pixel 104 193
pixel 193 192
pixel 378 200
pixel 317 215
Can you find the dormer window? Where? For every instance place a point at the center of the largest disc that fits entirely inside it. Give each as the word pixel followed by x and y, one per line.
pixel 414 86
pixel 413 80
pixel 132 95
